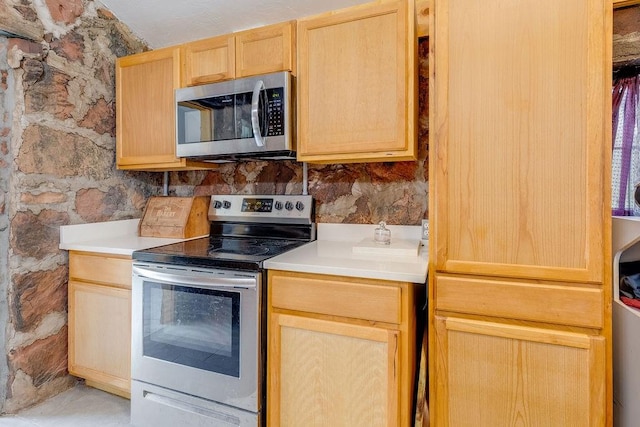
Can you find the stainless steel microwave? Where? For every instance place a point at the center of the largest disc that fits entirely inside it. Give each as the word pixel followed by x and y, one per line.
pixel 242 119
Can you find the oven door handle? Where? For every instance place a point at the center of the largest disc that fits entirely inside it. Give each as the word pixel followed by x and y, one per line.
pixel 186 279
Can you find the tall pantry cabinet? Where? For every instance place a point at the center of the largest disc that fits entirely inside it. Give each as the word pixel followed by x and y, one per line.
pixel 520 274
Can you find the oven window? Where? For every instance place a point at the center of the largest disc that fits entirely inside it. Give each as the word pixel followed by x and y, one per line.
pixel 192 326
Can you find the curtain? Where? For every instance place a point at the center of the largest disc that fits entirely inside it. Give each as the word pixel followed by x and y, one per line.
pixel 625 173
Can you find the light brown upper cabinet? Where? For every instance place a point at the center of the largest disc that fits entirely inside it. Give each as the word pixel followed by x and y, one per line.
pixel 209 60
pixel 266 50
pixel 357 84
pixel 521 141
pixel 258 51
pixel 145 112
pixel 520 252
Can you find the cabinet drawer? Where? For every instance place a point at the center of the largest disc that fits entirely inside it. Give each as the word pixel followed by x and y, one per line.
pixel 542 302
pixel 100 268
pixel 332 296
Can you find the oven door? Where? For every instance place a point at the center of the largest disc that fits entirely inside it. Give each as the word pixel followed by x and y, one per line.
pixel 196 331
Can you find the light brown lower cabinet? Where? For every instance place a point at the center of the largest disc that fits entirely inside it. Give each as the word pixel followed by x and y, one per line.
pixel 100 321
pixel 494 373
pixel 341 351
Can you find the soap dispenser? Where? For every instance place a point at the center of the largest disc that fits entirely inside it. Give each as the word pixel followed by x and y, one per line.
pixel 382 235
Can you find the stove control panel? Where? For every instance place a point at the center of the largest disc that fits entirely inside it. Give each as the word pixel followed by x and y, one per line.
pixel 262 208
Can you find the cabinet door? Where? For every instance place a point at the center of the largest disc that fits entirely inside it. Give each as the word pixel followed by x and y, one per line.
pixel 145 112
pixel 493 374
pixel 325 373
pixel 265 50
pixel 100 335
pixel 520 127
pixel 209 60
pixel 356 84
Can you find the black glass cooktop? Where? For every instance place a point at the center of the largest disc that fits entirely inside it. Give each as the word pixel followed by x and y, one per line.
pixel 219 252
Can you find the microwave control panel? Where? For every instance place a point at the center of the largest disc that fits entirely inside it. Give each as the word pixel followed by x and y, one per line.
pixel 275 111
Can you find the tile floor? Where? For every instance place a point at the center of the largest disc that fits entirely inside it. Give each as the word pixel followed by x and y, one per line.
pixel 80 406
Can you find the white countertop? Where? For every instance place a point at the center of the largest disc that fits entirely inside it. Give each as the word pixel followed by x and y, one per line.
pixel 112 237
pixel 333 254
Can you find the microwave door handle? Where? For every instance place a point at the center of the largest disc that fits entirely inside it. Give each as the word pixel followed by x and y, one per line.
pixel 255 122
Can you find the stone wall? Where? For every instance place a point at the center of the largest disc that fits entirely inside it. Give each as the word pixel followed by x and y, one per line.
pixel 6 106
pixel 58 167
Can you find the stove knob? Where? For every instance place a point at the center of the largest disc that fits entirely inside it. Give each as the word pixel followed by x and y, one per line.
pixel 278 205
pixel 217 204
pixel 300 206
pixel 226 204
pixel 288 206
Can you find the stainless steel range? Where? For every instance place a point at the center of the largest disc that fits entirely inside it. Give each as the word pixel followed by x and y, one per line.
pixel 199 315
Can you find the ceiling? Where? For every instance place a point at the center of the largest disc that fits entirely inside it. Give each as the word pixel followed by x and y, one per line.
pixel 163 23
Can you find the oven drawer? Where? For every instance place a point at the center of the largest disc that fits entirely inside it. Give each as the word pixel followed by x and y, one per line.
pixel 157 406
pixel 366 299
